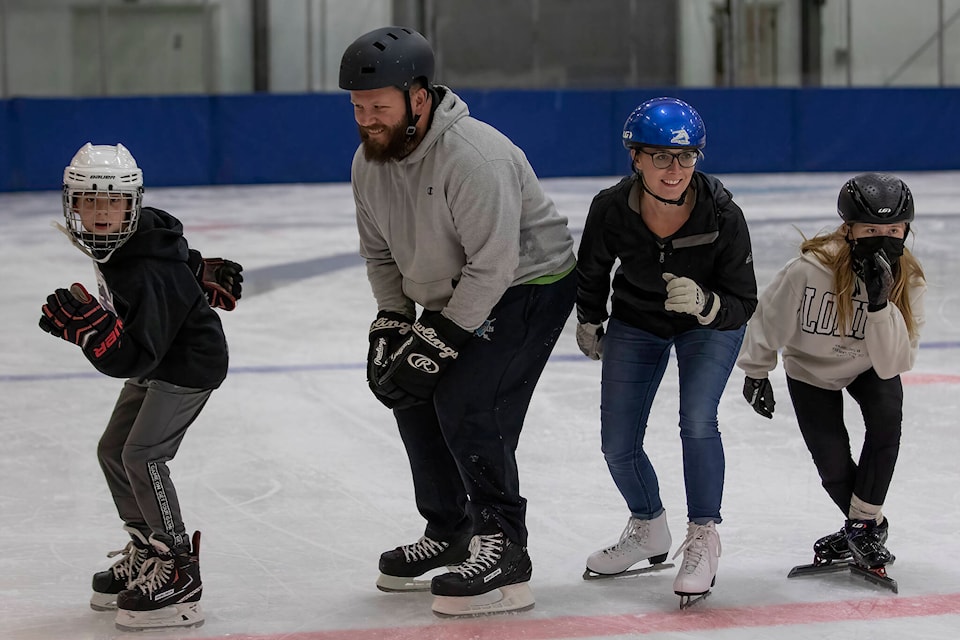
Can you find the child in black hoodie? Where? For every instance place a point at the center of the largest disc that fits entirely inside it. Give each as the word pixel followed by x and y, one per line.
pixel 153 324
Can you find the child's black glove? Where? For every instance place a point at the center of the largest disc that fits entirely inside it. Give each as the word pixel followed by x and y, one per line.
pixel 75 316
pixel 759 394
pixel 220 279
pixel 878 278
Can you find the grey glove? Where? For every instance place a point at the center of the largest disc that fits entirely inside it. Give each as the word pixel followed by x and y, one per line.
pixel 686 296
pixel 590 339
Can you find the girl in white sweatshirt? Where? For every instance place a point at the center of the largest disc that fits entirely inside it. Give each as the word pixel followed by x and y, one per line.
pixel 846 314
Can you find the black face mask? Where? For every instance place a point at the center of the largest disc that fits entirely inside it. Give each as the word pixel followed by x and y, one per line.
pixel 866 247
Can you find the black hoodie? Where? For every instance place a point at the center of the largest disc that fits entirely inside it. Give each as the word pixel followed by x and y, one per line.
pixel 170 333
pixel 712 248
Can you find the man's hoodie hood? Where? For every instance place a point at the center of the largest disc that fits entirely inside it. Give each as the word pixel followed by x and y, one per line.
pixel 448 111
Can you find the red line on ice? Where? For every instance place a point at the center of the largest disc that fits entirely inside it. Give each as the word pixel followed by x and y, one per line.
pixel 700 618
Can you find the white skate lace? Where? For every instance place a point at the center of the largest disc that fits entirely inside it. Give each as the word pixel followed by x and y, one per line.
pixel 132 559
pixel 694 547
pixel 423 549
pixel 485 551
pixel 633 536
pixel 153 575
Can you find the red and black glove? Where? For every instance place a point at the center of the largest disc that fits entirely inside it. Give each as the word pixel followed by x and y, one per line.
pixel 387 332
pixel 417 365
pixel 220 279
pixel 75 316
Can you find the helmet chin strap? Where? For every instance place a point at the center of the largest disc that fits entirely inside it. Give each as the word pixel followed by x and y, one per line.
pixel 678 202
pixel 411 129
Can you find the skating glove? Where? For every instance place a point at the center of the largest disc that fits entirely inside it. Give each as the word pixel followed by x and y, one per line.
pixel 590 339
pixel 759 394
pixel 877 275
pixel 386 334
pixel 220 279
pixel 419 362
pixel 75 316
pixel 686 296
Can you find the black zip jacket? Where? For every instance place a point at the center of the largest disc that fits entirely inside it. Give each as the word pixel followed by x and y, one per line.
pixel 712 248
pixel 170 333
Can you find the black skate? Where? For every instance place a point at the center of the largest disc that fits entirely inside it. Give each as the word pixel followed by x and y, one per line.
pixel 866 539
pixel 400 568
pixel 494 579
pixel 166 593
pixel 831 554
pixel 107 584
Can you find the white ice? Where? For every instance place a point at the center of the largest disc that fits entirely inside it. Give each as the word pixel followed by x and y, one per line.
pixel 298 481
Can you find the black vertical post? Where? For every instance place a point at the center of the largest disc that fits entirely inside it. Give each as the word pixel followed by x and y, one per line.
pixel 261 46
pixel 811 25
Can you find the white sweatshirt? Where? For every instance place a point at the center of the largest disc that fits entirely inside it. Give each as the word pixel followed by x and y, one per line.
pixel 798 314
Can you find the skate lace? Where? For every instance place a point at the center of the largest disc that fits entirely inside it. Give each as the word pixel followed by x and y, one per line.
pixel 633 536
pixel 694 547
pixel 423 549
pixel 154 574
pixel 129 564
pixel 485 551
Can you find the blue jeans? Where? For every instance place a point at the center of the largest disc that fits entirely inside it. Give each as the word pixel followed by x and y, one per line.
pixel 633 366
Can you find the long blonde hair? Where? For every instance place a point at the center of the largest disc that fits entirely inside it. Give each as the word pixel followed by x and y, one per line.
pixel 833 251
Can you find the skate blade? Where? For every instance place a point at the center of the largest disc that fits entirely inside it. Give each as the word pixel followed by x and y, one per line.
pixel 819 568
pixel 593 575
pixel 876 576
pixel 687 600
pixel 188 614
pixel 512 598
pixel 396 584
pixel 103 601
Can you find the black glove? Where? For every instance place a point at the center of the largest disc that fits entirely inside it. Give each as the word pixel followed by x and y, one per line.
pixel 386 334
pixel 878 277
pixel 759 394
pixel 220 279
pixel 417 365
pixel 76 317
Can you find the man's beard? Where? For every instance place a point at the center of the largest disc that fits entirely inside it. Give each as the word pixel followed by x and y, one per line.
pixel 397 146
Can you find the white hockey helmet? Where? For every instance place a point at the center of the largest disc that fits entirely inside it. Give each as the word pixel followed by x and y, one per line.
pixel 98 175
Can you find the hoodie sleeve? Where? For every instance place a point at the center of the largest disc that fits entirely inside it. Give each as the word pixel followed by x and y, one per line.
pixel 892 350
pixel 773 323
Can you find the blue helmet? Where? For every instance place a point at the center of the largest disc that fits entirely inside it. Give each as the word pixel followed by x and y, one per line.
pixel 664 122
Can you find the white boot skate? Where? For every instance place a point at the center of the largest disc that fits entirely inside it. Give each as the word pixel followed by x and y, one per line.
pixel 641 540
pixel 698 572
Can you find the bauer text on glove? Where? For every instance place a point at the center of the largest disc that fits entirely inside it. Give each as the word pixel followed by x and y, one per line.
pixel 75 316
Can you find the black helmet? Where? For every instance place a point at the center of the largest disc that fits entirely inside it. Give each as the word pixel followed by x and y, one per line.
pixel 386 57
pixel 875 198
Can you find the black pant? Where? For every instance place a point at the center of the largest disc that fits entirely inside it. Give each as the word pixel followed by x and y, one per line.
pixel 820 415
pixel 465 442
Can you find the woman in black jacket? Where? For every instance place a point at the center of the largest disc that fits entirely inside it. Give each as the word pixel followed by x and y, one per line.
pixel 685 280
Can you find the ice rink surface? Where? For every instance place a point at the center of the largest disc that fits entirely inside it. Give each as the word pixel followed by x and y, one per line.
pixel 298 481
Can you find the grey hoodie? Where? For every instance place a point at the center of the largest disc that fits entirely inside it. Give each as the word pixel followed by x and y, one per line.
pixel 458 221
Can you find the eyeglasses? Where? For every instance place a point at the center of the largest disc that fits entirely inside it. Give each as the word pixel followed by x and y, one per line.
pixel 663 159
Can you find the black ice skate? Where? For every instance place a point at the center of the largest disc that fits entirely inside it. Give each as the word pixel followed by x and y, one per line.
pixel 870 557
pixel 400 568
pixel 494 579
pixel 831 553
pixel 166 593
pixel 107 584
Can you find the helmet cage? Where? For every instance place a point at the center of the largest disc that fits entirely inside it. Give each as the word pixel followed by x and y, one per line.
pixel 97 178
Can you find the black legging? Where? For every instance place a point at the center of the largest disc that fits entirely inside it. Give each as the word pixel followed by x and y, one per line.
pixel 820 415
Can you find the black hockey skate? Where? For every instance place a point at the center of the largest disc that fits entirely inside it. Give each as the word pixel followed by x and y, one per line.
pixel 401 567
pixel 166 593
pixel 107 584
pixel 494 579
